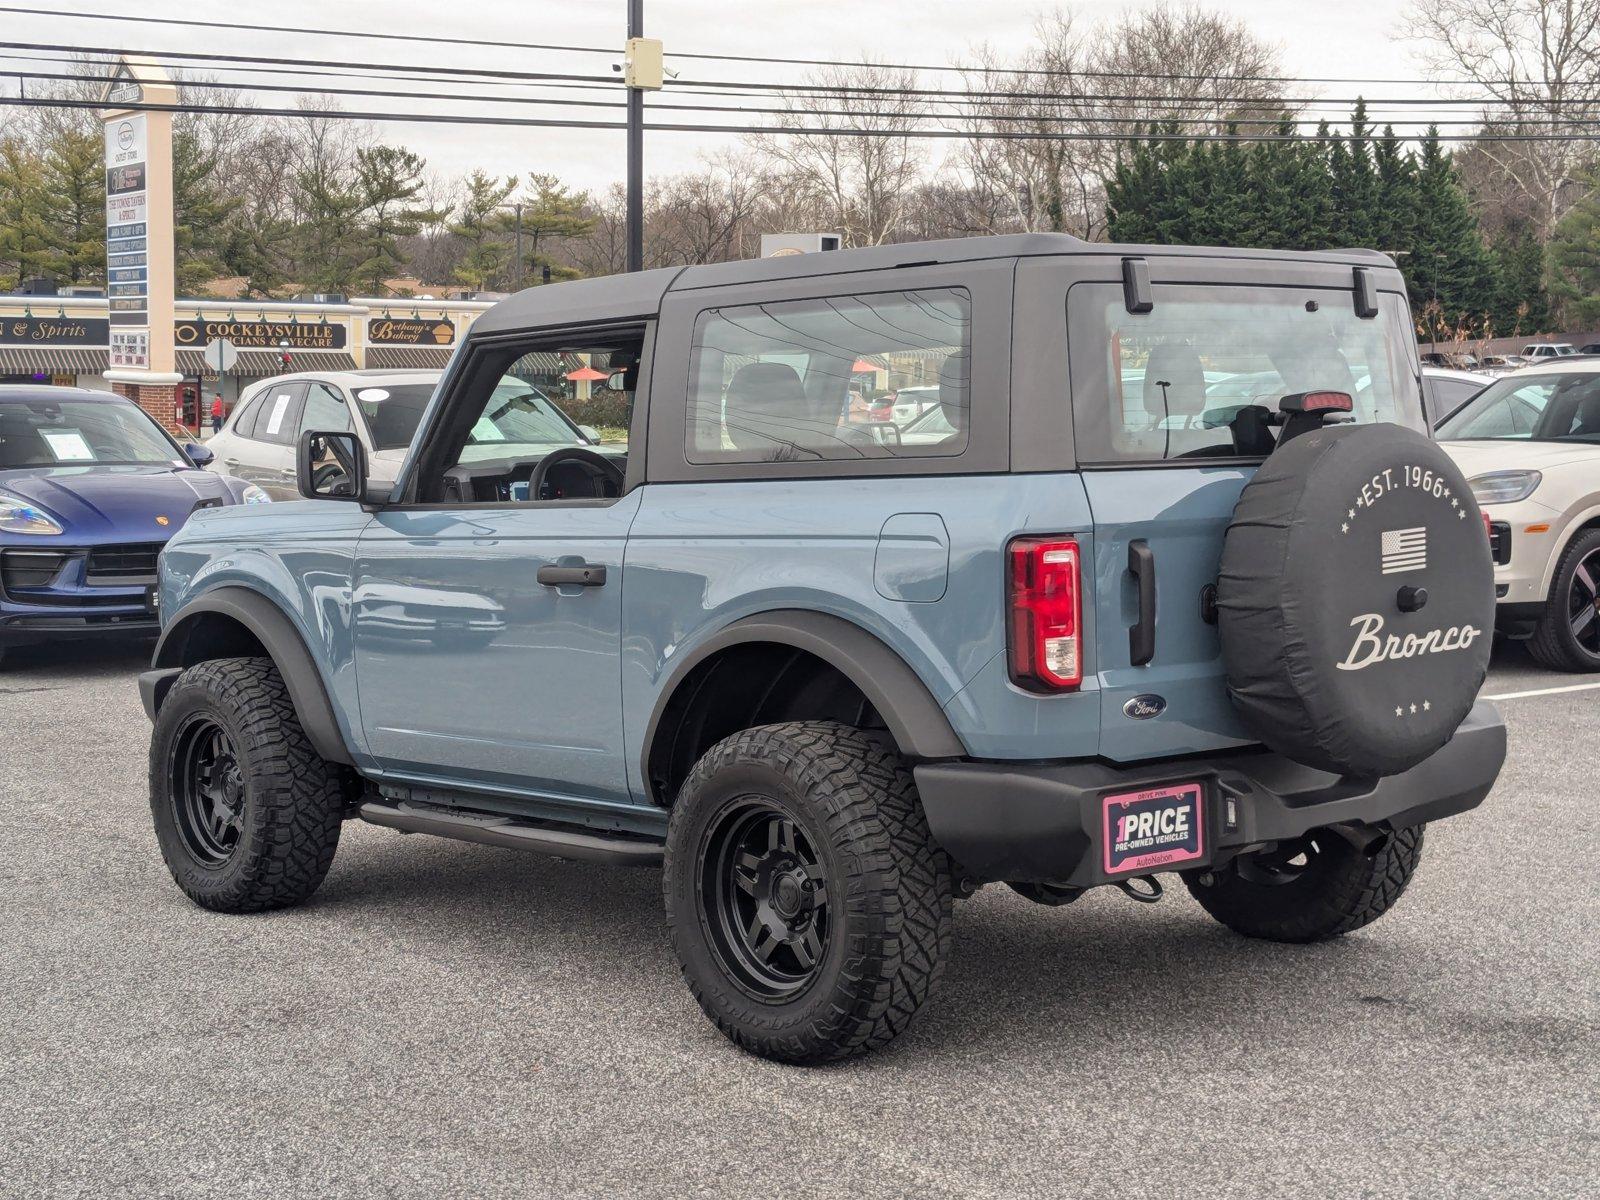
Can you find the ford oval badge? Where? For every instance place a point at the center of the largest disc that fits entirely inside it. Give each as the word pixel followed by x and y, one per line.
pixel 1142 708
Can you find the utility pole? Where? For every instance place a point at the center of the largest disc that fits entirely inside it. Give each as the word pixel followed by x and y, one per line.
pixel 642 72
pixel 518 208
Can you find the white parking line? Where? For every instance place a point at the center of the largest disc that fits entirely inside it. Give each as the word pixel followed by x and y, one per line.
pixel 1555 691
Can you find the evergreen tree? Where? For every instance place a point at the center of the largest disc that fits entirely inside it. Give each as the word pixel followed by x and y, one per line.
pixel 200 208
pixel 549 212
pixel 1393 216
pixel 1522 306
pixel 1574 266
pixel 477 223
pixel 73 176
pixel 1289 193
pixel 25 236
pixel 331 234
pixel 1353 183
pixel 390 180
pixel 1448 261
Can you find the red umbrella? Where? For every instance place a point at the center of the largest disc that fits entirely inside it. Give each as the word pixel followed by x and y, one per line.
pixel 588 373
pixel 862 364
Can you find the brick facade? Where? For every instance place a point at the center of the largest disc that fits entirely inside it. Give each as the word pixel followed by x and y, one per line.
pixel 160 401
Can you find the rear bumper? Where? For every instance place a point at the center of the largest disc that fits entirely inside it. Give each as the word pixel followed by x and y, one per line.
pixel 1042 823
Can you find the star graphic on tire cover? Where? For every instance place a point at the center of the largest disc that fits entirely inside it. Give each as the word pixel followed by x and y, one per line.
pixel 1398 711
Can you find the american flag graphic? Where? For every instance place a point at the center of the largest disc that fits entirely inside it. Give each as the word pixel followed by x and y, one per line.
pixel 1405 550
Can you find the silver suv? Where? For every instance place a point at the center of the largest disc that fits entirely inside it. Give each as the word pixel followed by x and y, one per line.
pixel 383 408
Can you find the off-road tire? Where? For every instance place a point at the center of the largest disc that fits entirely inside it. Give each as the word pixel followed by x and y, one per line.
pixel 888 885
pixel 1553 643
pixel 1340 891
pixel 293 799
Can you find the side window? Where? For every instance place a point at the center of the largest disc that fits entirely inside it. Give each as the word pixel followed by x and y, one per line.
pixel 244 423
pixel 325 410
pixel 520 404
pixel 866 376
pixel 279 417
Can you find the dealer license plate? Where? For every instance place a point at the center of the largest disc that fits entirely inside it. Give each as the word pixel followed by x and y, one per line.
pixel 1155 829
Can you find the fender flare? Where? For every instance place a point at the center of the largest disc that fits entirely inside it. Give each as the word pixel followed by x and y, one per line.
pixel 284 645
pixel 915 719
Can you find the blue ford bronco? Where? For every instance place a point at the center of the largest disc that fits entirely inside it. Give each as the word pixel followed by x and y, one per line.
pixel 1018 560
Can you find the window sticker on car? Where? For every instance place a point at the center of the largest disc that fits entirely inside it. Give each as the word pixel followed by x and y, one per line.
pixel 372 395
pixel 280 405
pixel 68 445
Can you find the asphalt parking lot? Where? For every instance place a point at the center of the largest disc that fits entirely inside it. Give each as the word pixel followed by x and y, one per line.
pixel 451 1019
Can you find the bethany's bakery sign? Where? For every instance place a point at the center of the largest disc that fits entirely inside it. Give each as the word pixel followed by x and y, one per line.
pixel 417 331
pixel 262 335
pixel 54 331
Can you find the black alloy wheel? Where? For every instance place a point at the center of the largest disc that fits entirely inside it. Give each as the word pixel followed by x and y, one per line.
pixel 808 903
pixel 1583 603
pixel 1567 636
pixel 208 791
pixel 764 899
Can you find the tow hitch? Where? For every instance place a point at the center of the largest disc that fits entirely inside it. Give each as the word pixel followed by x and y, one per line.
pixel 1149 894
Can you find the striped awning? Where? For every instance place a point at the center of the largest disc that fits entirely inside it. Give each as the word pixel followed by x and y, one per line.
pixel 409 358
pixel 52 360
pixel 261 364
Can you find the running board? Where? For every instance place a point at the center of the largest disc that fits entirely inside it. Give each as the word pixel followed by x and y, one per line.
pixel 493 829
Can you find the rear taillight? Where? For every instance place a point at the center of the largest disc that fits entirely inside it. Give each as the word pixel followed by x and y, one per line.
pixel 1488 527
pixel 1044 598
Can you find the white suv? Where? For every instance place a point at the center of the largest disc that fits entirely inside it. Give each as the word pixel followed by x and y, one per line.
pixel 1529 444
pixel 1538 351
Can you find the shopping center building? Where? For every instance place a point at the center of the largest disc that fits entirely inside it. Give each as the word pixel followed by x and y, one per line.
pixel 66 340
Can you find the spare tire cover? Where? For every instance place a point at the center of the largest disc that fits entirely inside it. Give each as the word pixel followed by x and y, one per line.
pixel 1324 661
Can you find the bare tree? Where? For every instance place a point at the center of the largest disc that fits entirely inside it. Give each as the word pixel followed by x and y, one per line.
pixel 859 185
pixel 1539 60
pixel 1079 94
pixel 708 215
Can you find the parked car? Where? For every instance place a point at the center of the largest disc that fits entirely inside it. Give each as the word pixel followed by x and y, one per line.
pixel 1454 361
pixel 1589 348
pixel 91 488
pixel 1539 351
pixel 1499 364
pixel 383 409
pixel 1444 392
pixel 1530 443
pixel 831 678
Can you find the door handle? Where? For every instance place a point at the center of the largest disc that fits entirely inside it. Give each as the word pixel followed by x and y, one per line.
pixel 583 575
pixel 1142 633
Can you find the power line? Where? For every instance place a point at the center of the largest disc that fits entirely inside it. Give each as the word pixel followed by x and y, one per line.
pixel 346 33
pixel 860 114
pixel 797 131
pixel 192 56
pixel 953 68
pixel 737 86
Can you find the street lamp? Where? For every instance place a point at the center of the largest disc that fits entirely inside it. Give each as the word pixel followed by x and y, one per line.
pixel 517 278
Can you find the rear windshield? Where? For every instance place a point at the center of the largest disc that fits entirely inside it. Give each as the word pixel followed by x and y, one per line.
pixel 1175 382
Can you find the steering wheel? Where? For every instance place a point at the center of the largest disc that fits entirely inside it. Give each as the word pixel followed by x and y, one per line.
pixel 601 469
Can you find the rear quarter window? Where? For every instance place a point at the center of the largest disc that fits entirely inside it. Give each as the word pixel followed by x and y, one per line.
pixel 821 379
pixel 1174 383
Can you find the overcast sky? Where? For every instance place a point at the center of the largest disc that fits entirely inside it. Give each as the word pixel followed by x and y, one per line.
pixel 1347 38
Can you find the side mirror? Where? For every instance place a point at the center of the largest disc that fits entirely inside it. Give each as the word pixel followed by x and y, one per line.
pixel 200 456
pixel 617 381
pixel 590 432
pixel 331 466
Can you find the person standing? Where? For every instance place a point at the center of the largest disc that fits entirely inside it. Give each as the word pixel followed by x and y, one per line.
pixel 216 413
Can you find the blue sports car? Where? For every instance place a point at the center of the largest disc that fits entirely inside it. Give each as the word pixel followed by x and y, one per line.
pixel 90 490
